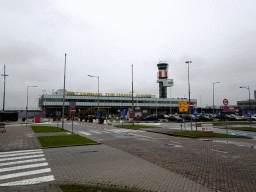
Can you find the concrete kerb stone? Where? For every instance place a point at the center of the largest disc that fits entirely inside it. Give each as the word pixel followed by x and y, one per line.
pixel 98 143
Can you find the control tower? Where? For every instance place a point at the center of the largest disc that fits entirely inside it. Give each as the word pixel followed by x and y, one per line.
pixel 162 76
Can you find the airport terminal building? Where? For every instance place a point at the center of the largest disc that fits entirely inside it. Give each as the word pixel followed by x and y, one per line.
pixel 113 103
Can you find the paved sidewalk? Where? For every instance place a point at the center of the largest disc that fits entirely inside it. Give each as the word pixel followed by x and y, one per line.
pixel 18 137
pixel 92 165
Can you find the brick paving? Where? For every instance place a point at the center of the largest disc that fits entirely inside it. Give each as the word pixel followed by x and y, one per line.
pixel 218 166
pixel 94 165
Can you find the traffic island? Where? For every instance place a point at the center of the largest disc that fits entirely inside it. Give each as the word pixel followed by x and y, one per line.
pixel 50 136
pixel 198 134
pixel 135 126
pixel 65 141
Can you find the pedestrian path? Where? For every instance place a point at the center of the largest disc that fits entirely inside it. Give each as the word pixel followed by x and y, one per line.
pixel 24 167
pixel 103 131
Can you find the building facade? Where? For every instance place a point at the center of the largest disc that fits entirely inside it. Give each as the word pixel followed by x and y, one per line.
pixel 113 103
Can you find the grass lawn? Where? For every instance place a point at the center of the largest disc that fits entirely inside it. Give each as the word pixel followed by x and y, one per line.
pixel 200 134
pixel 77 188
pixel 50 141
pixel 243 128
pixel 223 123
pixel 136 126
pixel 47 129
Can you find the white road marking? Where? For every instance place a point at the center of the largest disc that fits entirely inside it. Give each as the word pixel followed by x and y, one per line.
pixel 22 157
pixel 22 162
pixel 30 181
pixel 97 132
pixel 13 175
pixel 24 151
pixel 84 133
pixel 219 151
pixel 19 154
pixel 23 167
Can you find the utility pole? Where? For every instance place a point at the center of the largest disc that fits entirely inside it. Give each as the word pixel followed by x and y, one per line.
pixel 4 87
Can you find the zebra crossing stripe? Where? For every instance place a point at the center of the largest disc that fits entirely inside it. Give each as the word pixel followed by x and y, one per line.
pixel 23 167
pixel 20 151
pixel 22 162
pixel 17 154
pixel 30 181
pixel 24 173
pixel 22 157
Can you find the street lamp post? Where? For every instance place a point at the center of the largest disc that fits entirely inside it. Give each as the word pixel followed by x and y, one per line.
pixel 213 97
pixel 4 87
pixel 98 90
pixel 189 93
pixel 249 101
pixel 27 106
pixel 63 103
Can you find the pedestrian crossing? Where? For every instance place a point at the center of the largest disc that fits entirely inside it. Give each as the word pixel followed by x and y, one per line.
pixel 25 167
pixel 121 131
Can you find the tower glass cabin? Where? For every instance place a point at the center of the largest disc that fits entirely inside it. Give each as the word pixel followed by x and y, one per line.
pixel 162 76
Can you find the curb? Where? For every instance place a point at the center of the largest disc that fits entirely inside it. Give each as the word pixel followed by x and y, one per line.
pixel 170 134
pixel 98 143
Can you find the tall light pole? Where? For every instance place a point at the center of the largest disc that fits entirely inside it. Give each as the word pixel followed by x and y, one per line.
pixel 249 101
pixel 213 97
pixel 27 106
pixel 188 80
pixel 4 87
pixel 189 94
pixel 63 106
pixel 98 90
pixel 132 100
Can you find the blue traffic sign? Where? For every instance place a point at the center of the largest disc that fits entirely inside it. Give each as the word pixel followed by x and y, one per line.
pixel 219 113
pixel 130 110
pixel 98 115
pixel 195 112
pixel 249 112
pixel 225 108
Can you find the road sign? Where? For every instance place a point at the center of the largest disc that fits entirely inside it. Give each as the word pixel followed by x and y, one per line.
pixel 249 112
pixel 72 110
pixel 219 113
pixel 191 105
pixel 225 101
pixel 195 112
pixel 225 108
pixel 183 106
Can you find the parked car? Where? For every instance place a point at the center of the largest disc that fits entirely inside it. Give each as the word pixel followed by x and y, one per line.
pixel 221 117
pixel 237 118
pixel 244 118
pixel 174 118
pixel 150 118
pixel 204 118
pixel 188 117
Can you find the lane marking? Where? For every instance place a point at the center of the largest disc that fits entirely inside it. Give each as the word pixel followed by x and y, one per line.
pixel 30 181
pixel 219 151
pixel 23 167
pixel 22 157
pixel 84 133
pixel 22 162
pixel 19 154
pixel 23 151
pixel 24 173
pixel 97 132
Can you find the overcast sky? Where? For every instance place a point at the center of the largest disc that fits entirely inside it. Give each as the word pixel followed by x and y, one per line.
pixel 104 38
